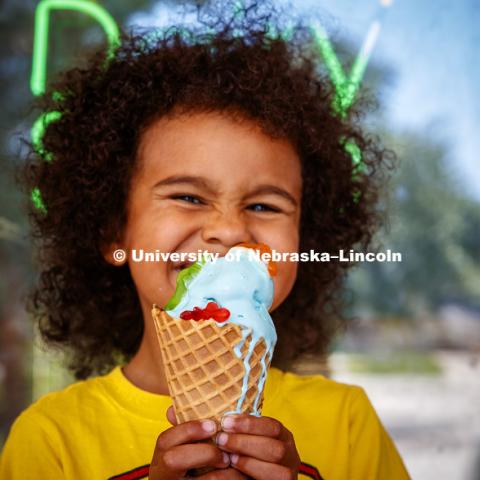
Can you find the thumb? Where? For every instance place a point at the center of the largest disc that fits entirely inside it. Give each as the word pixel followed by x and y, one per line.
pixel 171 415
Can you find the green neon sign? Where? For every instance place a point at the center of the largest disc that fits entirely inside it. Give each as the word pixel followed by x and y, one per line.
pixel 346 87
pixel 39 64
pixel 42 22
pixel 38 130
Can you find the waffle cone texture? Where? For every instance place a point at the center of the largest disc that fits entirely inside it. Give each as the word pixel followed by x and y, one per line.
pixel 204 374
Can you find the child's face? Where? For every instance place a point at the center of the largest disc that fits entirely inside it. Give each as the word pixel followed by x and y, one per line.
pixel 206 182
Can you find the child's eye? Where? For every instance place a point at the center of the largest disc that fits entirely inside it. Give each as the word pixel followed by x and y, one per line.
pixel 262 207
pixel 188 199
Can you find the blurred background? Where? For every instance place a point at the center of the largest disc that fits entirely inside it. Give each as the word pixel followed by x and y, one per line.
pixel 414 343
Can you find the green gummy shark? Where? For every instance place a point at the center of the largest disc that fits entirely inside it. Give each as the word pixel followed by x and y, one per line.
pixel 185 276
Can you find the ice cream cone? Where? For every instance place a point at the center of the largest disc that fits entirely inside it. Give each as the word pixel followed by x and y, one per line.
pixel 211 369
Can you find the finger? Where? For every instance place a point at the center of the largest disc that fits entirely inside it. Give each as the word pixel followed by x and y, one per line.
pixel 225 474
pixel 263 448
pixel 265 426
pixel 187 432
pixel 171 417
pixel 181 458
pixel 261 470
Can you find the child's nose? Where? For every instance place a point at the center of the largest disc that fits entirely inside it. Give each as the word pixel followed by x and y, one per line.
pixel 226 228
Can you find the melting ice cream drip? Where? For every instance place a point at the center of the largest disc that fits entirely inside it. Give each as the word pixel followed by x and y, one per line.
pixel 246 361
pixel 245 288
pixel 255 337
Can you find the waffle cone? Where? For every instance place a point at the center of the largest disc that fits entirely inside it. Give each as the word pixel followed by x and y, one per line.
pixel 204 374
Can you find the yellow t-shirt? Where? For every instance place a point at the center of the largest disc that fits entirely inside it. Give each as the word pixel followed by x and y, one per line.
pixel 106 428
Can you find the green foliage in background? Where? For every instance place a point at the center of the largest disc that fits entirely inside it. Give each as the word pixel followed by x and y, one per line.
pixel 435 226
pixel 396 363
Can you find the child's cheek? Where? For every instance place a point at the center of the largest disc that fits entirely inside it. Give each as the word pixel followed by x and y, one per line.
pixel 151 282
pixel 283 282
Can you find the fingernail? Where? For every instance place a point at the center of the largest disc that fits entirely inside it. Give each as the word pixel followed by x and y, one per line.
pixel 209 426
pixel 222 438
pixel 226 458
pixel 233 458
pixel 228 423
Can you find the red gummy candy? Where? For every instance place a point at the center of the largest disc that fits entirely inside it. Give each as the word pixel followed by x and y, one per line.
pixel 212 310
pixel 221 314
pixel 186 315
pixel 211 306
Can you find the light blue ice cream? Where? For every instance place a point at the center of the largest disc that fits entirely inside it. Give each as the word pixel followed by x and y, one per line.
pixel 243 286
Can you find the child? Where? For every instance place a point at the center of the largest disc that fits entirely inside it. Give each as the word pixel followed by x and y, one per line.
pixel 180 146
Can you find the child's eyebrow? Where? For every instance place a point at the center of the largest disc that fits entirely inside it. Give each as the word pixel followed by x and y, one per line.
pixel 192 180
pixel 273 190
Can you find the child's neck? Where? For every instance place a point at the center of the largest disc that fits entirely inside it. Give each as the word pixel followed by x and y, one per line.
pixel 145 369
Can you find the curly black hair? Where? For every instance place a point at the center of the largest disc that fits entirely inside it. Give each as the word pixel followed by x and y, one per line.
pixel 228 63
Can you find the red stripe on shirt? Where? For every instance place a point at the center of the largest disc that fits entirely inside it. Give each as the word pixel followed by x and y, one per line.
pixel 310 471
pixel 135 474
pixel 142 472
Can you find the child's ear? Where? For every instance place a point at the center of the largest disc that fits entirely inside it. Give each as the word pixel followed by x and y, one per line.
pixel 114 254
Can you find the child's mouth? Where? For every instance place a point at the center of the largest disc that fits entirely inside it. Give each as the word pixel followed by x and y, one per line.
pixel 182 265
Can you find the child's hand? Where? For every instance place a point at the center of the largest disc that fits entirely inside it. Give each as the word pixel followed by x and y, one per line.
pixel 176 452
pixel 260 447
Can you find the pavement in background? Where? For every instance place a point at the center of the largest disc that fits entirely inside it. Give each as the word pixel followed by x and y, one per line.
pixel 434 420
